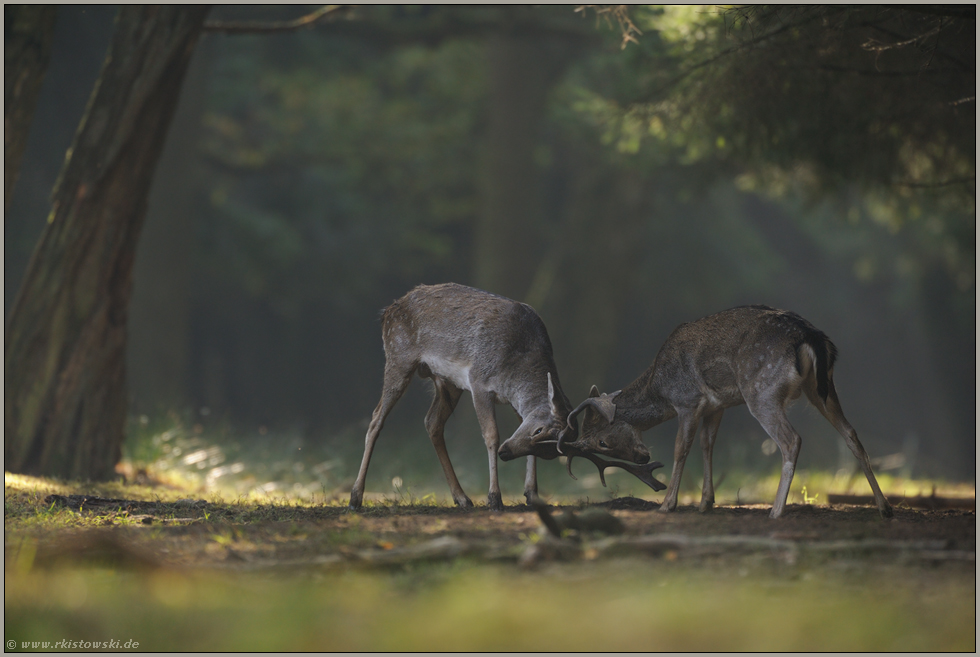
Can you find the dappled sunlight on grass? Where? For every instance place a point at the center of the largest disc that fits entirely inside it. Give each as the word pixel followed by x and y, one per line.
pixel 736 487
pixel 24 498
pixel 756 487
pixel 210 457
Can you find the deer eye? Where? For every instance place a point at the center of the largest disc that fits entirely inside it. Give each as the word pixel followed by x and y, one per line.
pixel 539 430
pixel 602 443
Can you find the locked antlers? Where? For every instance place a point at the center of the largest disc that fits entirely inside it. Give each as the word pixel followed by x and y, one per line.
pixel 602 403
pixel 642 472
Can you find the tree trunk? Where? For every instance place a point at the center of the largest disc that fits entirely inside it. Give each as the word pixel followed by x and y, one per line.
pixel 26 51
pixel 509 232
pixel 65 395
pixel 603 225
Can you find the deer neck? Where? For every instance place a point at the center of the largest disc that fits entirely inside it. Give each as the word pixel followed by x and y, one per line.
pixel 642 406
pixel 527 399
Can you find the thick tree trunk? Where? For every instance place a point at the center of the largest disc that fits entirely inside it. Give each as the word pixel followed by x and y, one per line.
pixel 26 52
pixel 603 223
pixel 65 395
pixel 510 228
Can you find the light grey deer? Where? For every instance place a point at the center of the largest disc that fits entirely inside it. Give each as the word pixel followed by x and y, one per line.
pixel 498 349
pixel 755 355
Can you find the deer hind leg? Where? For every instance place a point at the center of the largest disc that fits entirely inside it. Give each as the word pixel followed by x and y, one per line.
pixel 485 413
pixel 687 429
pixel 531 479
pixel 709 431
pixel 396 380
pixel 770 411
pixel 831 410
pixel 443 404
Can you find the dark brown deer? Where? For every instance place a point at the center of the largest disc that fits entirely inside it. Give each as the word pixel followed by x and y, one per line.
pixel 753 355
pixel 499 350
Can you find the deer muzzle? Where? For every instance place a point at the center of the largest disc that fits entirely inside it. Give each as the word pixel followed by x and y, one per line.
pixel 544 449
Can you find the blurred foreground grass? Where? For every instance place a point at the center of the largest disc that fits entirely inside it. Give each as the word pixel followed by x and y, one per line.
pixel 625 605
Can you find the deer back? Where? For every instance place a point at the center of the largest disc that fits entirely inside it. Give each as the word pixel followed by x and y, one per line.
pixel 719 356
pixel 474 339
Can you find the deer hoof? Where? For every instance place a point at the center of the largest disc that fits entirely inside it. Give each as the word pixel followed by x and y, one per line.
pixel 494 503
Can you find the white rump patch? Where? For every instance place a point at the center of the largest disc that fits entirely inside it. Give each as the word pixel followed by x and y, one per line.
pixel 810 362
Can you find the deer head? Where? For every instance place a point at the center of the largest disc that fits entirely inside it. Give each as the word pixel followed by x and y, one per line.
pixel 602 433
pixel 540 431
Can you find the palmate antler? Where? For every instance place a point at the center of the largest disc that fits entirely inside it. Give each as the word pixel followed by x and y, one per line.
pixel 642 472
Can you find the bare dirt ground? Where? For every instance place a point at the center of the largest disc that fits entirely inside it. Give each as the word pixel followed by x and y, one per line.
pixel 199 534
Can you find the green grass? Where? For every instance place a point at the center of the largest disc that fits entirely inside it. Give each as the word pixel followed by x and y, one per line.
pixel 211 456
pixel 24 506
pixel 610 606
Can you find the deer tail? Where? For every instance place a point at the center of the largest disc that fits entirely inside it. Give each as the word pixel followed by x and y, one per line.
pixel 824 354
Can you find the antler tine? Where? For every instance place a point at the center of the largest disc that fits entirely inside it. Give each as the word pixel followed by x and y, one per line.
pixel 601 403
pixel 570 421
pixel 642 472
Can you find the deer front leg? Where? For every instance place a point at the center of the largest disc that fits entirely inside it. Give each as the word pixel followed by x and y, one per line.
pixel 709 431
pixel 531 479
pixel 485 413
pixel 688 425
pixel 443 404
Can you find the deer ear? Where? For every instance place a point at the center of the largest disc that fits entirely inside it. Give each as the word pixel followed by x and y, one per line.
pixel 594 392
pixel 552 397
pixel 606 407
pixel 590 415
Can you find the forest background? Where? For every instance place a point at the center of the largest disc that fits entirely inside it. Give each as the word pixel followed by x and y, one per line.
pixel 818 159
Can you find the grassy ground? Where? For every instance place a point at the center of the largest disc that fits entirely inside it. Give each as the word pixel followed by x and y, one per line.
pixel 628 605
pixel 254 573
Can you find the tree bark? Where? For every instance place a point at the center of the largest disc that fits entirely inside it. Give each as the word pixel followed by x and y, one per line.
pixel 509 232
pixel 603 225
pixel 65 339
pixel 26 51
